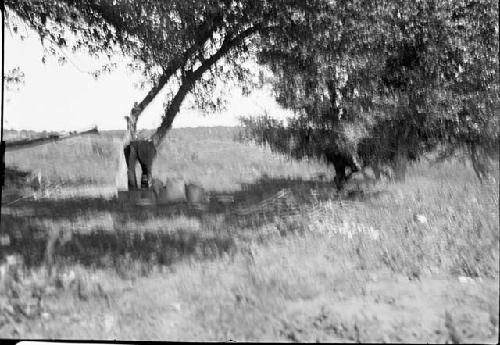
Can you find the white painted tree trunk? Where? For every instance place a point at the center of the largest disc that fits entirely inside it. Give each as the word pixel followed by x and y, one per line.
pixel 121 179
pixel 121 182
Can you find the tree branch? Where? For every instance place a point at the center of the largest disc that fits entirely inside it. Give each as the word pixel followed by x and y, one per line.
pixel 175 64
pixel 190 79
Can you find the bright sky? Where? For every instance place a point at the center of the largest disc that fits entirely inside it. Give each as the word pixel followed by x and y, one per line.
pixel 65 97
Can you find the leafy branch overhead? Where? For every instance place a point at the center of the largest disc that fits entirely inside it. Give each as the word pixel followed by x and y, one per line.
pixel 13 79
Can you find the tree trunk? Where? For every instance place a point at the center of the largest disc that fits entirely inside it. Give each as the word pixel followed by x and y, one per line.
pixel 479 160
pixel 171 112
pixel 206 31
pixel 121 172
pixel 334 110
pixel 188 82
pixel 190 79
pixel 400 162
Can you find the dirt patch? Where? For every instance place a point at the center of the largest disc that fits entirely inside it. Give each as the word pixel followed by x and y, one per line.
pixel 399 310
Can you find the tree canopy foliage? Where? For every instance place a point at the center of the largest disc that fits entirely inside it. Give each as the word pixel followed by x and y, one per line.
pixel 388 80
pixel 13 79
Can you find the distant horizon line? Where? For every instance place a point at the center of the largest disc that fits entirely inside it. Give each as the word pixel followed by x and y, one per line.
pixel 103 130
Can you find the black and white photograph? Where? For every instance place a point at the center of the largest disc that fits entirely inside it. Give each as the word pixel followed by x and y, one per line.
pixel 250 171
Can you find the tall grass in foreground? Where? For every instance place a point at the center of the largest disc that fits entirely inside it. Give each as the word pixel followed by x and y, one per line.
pixel 445 222
pixel 348 275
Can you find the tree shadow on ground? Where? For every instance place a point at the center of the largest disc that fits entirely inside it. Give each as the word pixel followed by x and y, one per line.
pixel 111 245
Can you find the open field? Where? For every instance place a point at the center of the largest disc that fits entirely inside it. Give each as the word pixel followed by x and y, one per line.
pixel 396 262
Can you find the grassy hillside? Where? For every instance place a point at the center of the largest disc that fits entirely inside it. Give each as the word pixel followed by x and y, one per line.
pixel 397 262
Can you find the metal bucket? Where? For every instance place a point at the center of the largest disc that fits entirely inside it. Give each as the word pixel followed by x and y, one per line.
pixel 174 191
pixel 195 194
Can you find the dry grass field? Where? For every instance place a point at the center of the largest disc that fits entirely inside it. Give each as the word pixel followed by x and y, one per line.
pixel 289 260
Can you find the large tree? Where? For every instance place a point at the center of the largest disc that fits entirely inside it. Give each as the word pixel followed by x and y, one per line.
pixel 180 43
pixel 185 45
pixel 388 80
